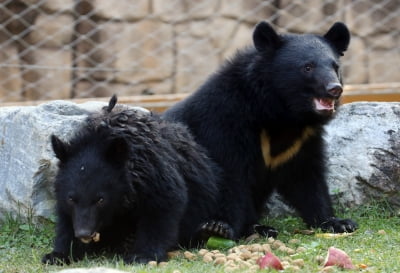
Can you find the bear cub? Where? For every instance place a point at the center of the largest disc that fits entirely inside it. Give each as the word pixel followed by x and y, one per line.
pixel 130 184
pixel 261 118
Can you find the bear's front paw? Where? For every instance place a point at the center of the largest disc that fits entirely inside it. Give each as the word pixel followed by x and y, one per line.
pixel 55 258
pixel 216 228
pixel 337 225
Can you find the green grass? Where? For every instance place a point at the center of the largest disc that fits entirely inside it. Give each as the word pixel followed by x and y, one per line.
pixel 22 244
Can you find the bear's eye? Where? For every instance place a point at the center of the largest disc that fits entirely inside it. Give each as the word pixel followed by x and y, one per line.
pixel 308 67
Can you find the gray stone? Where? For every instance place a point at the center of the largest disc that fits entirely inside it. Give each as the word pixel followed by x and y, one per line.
pixel 363 152
pixel 27 163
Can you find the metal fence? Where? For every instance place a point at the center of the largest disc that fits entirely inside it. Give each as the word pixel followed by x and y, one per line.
pixel 59 49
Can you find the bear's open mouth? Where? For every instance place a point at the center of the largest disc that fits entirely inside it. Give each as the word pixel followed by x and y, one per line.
pixel 324 104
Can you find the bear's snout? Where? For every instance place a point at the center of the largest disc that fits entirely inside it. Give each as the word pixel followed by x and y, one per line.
pixel 86 236
pixel 83 233
pixel 334 89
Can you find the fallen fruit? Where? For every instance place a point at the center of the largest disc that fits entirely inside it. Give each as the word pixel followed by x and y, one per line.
pixel 338 258
pixel 271 261
pixel 362 266
pixel 218 242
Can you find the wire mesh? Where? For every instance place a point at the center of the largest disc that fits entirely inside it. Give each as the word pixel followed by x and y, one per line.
pixel 59 49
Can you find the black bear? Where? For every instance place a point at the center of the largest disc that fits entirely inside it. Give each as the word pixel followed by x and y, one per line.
pixel 261 118
pixel 130 184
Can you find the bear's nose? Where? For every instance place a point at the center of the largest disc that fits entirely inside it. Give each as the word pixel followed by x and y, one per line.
pixel 83 233
pixel 334 89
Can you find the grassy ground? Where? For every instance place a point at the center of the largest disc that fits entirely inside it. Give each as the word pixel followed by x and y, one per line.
pixel 375 246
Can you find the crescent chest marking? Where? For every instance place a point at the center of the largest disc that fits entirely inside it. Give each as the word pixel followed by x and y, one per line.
pixel 284 156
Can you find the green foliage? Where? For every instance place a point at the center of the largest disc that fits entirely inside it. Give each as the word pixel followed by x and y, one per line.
pixel 375 244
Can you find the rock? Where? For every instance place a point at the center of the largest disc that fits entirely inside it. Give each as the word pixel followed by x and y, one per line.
pixel 27 162
pixel 363 154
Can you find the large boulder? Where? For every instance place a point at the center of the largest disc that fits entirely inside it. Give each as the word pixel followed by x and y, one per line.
pixel 363 153
pixel 27 162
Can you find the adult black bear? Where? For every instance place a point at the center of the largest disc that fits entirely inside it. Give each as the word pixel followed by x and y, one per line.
pixel 261 118
pixel 130 184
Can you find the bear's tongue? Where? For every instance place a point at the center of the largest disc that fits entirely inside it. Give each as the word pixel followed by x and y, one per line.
pixel 324 104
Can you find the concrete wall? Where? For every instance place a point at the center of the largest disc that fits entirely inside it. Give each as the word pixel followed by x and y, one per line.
pixel 64 48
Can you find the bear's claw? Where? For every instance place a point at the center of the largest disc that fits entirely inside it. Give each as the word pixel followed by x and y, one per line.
pixel 216 228
pixel 338 225
pixel 265 231
pixel 56 258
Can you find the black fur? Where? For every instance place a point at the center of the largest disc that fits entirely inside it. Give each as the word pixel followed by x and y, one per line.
pixel 140 182
pixel 261 117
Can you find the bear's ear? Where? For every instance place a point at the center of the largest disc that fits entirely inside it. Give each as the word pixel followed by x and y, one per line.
pixel 60 148
pixel 339 36
pixel 265 37
pixel 117 151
